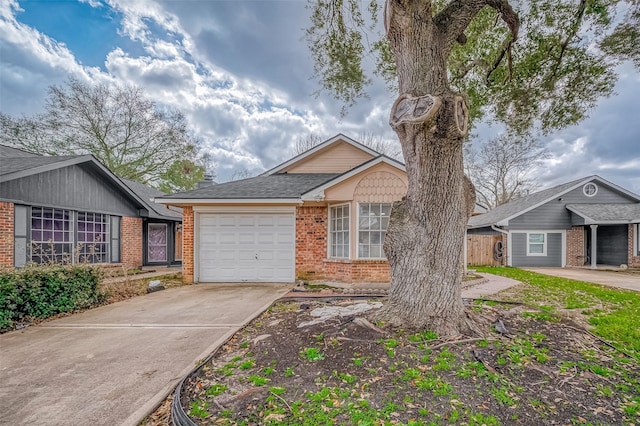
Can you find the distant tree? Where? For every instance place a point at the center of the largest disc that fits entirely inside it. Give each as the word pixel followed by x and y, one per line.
pixel 502 168
pixel 135 138
pixel 305 143
pixel 240 174
pixel 388 147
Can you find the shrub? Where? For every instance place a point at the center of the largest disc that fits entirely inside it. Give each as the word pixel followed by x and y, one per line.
pixel 44 291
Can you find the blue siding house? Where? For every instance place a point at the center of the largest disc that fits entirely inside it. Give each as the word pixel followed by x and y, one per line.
pixel 585 222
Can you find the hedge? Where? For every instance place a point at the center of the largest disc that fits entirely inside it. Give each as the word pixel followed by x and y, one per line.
pixel 43 291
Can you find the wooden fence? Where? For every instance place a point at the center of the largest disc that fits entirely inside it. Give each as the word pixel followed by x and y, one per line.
pixel 480 250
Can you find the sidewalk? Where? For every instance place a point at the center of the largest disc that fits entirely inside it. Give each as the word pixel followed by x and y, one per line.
pixel 487 286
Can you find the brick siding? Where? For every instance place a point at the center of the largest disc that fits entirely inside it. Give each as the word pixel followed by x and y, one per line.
pixel 311 241
pixel 6 234
pixel 575 246
pixel 131 241
pixel 634 258
pixel 187 244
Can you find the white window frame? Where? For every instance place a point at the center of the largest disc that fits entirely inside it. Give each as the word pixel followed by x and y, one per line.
pixel 544 244
pixel 587 185
pixel 359 256
pixel 347 231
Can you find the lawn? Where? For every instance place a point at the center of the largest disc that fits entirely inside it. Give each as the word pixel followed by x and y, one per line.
pixel 347 371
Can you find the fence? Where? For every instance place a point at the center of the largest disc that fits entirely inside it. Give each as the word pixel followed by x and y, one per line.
pixel 481 250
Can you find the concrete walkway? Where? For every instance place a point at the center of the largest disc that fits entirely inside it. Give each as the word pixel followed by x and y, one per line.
pixel 492 285
pixel 112 365
pixel 626 280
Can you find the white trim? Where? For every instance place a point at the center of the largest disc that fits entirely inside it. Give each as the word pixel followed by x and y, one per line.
pixel 509 249
pixel 329 236
pixel 208 201
pixel 196 246
pixel 244 209
pixel 563 253
pixel 505 221
pixel 544 244
pixel 636 240
pixel 320 146
pixel 590 221
pixel 315 193
pixel 357 234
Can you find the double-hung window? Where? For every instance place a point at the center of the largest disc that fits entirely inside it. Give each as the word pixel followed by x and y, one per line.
pixel 339 231
pixel 373 221
pixel 536 244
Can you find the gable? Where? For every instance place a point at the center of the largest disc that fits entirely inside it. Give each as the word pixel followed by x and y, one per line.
pixel 381 183
pixel 78 187
pixel 337 157
pixel 554 214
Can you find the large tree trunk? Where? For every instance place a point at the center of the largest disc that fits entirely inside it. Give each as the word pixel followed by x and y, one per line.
pixel 424 243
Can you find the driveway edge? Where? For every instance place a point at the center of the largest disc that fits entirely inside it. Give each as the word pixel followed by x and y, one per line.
pixel 149 407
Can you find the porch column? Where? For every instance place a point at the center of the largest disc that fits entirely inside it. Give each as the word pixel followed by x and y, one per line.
pixel 594 245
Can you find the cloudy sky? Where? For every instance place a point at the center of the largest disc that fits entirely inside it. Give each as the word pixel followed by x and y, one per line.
pixel 242 74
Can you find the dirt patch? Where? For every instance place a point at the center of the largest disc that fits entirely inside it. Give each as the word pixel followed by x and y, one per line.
pixel 347 370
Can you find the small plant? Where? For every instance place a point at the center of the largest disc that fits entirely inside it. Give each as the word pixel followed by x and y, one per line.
pixel 267 371
pixel 258 380
pixel 503 396
pixel 247 364
pixel 288 372
pixel 312 354
pixel 198 409
pixel 216 389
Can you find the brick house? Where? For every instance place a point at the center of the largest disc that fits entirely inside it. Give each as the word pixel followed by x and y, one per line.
pixel 585 222
pixel 320 215
pixel 72 208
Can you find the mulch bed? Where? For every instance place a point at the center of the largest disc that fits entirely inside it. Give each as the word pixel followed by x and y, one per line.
pixel 351 371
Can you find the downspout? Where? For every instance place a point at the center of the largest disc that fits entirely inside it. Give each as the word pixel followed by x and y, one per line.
pixel 503 232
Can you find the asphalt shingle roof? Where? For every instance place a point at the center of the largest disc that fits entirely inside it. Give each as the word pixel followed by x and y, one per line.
pixel 514 207
pixel 146 193
pixel 7 151
pixel 623 213
pixel 17 164
pixel 284 185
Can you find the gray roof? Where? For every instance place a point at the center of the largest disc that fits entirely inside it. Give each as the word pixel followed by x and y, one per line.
pixel 10 164
pixel 146 194
pixel 276 186
pixel 514 207
pixel 8 151
pixel 607 213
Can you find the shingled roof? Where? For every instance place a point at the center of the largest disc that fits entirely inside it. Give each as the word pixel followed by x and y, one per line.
pixel 276 186
pixel 607 213
pixel 526 203
pixel 146 194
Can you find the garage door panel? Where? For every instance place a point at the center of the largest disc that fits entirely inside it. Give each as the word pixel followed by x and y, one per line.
pixel 246 247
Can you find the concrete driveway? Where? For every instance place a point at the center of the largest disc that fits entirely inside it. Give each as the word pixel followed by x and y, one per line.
pixel 113 364
pixel 626 280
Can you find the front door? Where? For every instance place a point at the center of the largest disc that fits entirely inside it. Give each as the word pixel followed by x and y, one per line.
pixel 157 243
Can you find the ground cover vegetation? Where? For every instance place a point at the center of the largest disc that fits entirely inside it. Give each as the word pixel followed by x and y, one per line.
pixel 570 356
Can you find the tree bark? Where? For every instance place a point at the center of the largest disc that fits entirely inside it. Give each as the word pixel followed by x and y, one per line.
pixel 424 242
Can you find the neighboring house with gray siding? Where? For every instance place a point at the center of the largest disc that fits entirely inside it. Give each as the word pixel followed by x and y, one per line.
pixel 588 221
pixel 72 208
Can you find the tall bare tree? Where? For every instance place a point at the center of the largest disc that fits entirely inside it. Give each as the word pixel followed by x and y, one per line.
pixel 452 62
pixel 502 168
pixel 387 147
pixel 135 138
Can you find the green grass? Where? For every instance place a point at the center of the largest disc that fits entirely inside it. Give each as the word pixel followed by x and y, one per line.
pixel 618 323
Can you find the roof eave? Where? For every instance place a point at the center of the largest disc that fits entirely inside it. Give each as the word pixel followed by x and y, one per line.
pixel 207 201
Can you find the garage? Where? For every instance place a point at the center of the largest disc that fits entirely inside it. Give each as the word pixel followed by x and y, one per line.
pixel 246 246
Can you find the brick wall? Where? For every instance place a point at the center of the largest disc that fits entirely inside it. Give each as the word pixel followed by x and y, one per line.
pixel 131 241
pixel 187 244
pixel 634 258
pixel 6 234
pixel 575 246
pixel 311 241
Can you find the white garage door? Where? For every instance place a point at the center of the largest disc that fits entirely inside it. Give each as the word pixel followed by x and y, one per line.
pixel 246 247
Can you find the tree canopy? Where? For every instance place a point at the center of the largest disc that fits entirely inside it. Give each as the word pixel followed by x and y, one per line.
pixel 134 137
pixel 562 62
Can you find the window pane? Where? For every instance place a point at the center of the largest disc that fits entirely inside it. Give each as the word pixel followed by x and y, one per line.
pixel 536 248
pixel 536 238
pixel 364 238
pixel 376 251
